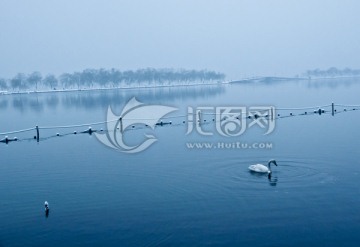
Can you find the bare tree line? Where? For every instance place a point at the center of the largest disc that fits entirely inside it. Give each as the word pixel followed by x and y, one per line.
pixel 332 72
pixel 90 78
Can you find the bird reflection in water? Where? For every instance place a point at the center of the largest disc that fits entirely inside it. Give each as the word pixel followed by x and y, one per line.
pixel 272 180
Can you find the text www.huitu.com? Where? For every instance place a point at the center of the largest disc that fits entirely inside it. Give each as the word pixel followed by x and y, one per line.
pixel 229 145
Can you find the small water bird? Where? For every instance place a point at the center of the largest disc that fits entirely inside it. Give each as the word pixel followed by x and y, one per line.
pixel 46 207
pixel 262 168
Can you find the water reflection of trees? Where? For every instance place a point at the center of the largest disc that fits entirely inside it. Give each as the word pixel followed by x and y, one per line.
pixel 3 104
pixel 102 99
pixel 333 72
pixel 23 103
pixel 52 101
pixel 333 83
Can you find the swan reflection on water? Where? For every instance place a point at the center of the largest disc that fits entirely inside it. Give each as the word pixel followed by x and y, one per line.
pixel 272 180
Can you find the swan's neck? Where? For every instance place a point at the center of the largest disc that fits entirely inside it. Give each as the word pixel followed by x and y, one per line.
pixel 271 161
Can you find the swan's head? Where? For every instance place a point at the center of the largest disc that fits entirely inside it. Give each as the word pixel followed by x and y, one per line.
pixel 272 161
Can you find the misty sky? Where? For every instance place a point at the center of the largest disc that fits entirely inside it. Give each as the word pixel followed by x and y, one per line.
pixel 239 38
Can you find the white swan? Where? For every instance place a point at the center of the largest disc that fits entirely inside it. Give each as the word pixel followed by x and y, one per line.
pixel 261 168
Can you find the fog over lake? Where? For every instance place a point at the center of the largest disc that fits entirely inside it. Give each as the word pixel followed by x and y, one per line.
pixel 239 38
pixel 179 123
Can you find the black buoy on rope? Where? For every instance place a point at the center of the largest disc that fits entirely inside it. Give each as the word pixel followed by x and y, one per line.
pixel 320 111
pixel 7 139
pixel 161 123
pixel 89 131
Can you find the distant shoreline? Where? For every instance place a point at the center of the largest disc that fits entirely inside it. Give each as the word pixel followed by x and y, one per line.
pixel 266 79
pixel 109 88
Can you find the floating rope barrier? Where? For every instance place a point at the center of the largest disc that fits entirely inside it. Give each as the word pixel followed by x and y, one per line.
pixel 198 117
pixel 77 125
pixel 347 105
pixel 303 108
pixel 17 131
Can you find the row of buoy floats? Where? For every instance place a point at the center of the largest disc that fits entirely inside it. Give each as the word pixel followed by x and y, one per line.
pixel 319 111
pixel 89 131
pixel 161 123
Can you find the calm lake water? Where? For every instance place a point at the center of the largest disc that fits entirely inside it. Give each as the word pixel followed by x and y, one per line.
pixel 173 195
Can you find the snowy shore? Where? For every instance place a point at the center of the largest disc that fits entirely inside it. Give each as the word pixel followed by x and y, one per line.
pixel 84 89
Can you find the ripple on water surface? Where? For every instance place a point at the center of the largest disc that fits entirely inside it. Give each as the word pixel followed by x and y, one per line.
pixel 289 174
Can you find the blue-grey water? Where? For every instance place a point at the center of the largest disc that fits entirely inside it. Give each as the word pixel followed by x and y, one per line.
pixel 173 195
